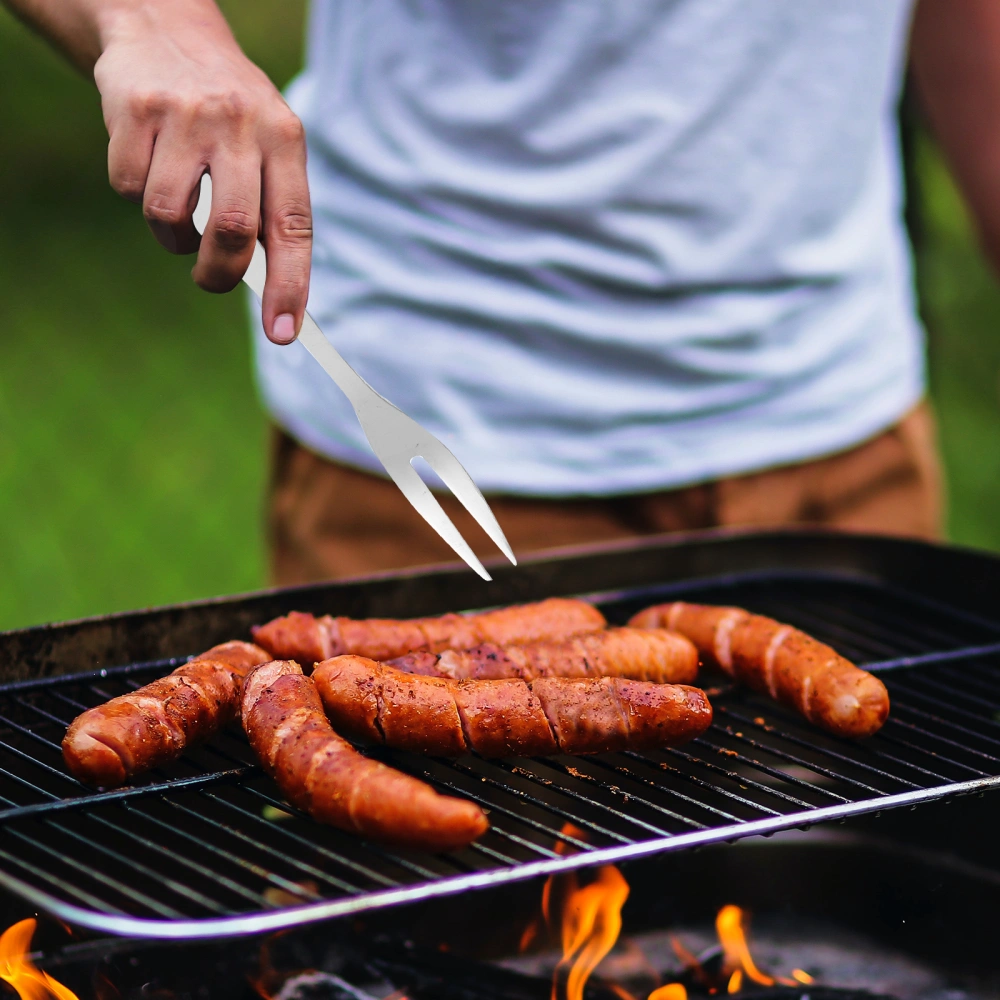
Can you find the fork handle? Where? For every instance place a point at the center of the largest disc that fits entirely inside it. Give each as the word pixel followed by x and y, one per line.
pixel 311 336
pixel 332 362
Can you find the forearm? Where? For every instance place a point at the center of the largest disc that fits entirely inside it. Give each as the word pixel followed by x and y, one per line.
pixel 82 29
pixel 955 53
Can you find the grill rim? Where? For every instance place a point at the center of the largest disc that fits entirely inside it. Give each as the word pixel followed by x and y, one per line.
pixel 961 577
pixel 269 921
pixel 674 564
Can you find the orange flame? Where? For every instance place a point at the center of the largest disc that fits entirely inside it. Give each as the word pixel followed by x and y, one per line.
pixel 672 991
pixel 620 991
pixel 729 927
pixel 20 972
pixel 531 931
pixel 591 923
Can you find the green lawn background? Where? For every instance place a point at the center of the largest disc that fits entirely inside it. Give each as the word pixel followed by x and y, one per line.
pixel 132 445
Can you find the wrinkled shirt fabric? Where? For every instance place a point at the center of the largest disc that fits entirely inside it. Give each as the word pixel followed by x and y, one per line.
pixel 606 246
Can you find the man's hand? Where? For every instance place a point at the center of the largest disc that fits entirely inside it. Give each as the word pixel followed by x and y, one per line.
pixel 179 98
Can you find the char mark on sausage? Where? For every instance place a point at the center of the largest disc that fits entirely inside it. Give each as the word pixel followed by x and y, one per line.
pixel 780 661
pixel 638 654
pixel 373 702
pixel 308 640
pixel 323 775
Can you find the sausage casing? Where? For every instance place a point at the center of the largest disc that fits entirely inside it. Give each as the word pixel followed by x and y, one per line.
pixel 322 774
pixel 132 733
pixel 371 701
pixel 639 654
pixel 308 640
pixel 779 660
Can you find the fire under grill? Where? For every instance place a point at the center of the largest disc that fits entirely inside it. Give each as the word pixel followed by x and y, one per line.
pixel 209 848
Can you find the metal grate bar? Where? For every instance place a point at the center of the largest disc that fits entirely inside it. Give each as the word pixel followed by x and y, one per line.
pixel 521 841
pixel 548 831
pixel 873 750
pixel 192 852
pixel 913 688
pixel 203 871
pixel 378 852
pixel 718 789
pixel 972 677
pixel 630 797
pixel 933 719
pixel 193 782
pixel 571 817
pixel 774 771
pixel 370 873
pixel 66 889
pixel 812 765
pixel 897 723
pixel 633 775
pixel 308 869
pixel 56 804
pixel 757 765
pixel 933 659
pixel 580 796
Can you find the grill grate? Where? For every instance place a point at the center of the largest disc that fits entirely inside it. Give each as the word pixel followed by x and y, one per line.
pixel 207 847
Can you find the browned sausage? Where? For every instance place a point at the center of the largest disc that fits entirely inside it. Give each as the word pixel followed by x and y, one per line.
pixel 326 777
pixel 638 654
pixel 134 732
pixel 781 661
pixel 507 717
pixel 308 640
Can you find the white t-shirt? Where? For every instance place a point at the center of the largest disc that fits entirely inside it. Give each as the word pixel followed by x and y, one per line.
pixel 606 246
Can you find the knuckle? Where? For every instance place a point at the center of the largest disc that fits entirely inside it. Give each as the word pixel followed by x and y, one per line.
pixel 292 224
pixel 146 104
pixel 234 229
pixel 225 106
pixel 127 185
pixel 159 210
pixel 287 130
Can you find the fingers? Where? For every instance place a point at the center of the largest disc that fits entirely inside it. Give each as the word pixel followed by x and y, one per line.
pixel 169 195
pixel 287 232
pixel 130 150
pixel 172 115
pixel 231 233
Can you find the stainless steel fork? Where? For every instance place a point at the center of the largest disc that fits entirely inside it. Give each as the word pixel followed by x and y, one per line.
pixel 395 438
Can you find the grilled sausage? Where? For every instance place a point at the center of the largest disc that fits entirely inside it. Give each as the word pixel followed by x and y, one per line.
pixel 326 777
pixel 308 640
pixel 134 732
pixel 507 717
pixel 638 654
pixel 781 661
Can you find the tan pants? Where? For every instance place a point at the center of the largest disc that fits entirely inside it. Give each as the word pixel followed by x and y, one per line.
pixel 327 521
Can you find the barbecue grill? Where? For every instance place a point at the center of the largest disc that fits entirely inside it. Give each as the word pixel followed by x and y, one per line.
pixel 207 847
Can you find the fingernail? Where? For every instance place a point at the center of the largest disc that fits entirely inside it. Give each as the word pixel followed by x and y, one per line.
pixel 283 331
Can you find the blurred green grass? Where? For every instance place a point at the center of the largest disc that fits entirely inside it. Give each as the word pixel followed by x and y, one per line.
pixel 132 445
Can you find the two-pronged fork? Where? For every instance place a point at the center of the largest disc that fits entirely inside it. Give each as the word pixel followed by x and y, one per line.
pixel 395 438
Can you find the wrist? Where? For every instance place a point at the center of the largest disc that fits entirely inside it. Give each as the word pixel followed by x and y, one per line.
pixel 130 20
